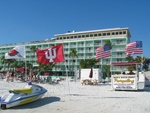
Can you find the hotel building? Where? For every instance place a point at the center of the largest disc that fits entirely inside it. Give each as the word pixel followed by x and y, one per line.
pixel 85 43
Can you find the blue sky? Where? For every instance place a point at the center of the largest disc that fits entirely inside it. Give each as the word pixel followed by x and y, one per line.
pixel 32 20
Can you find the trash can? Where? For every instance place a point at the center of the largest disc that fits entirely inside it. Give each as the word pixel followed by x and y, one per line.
pixel 49 79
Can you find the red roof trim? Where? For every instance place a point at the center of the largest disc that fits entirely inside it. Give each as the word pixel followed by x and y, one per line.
pixel 124 63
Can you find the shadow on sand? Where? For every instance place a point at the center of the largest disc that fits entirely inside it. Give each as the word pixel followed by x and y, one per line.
pixel 38 103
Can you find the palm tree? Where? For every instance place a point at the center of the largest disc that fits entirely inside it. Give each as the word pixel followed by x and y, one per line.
pixel 4 61
pixel 73 55
pixel 45 67
pixel 138 59
pixel 145 62
pixel 88 63
pixel 129 59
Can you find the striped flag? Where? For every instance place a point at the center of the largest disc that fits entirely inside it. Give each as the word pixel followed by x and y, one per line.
pixel 103 52
pixel 134 48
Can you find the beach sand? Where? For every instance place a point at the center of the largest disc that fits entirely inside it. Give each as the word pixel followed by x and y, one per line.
pixel 73 97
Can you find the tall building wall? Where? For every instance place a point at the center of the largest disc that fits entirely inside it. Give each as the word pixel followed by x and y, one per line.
pixel 85 43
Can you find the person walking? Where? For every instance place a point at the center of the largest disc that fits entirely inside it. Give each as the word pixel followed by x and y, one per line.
pixel 8 76
pixel 30 76
pixel 12 75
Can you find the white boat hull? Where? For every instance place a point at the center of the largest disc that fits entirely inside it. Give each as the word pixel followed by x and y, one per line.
pixel 16 99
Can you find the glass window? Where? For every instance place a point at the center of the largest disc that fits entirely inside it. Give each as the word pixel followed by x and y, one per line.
pixel 75 36
pixel 124 32
pixel 104 34
pixel 87 35
pixel 108 34
pixel 95 34
pixel 91 35
pixel 71 36
pixel 79 36
pixel 116 33
pixel 113 33
pixel 99 34
pixel 120 32
pixel 83 35
pixel 67 37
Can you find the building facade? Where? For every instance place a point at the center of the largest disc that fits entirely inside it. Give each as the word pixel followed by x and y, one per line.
pixel 85 43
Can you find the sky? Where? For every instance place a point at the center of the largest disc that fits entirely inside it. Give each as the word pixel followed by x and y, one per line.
pixel 36 20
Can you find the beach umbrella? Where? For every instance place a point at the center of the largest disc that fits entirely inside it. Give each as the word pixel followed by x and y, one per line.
pixel 91 73
pixel 21 69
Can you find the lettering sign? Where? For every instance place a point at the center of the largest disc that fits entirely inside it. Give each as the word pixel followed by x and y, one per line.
pixel 124 82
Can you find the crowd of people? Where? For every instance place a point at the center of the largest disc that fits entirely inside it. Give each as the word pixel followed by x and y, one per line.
pixel 130 72
pixel 10 75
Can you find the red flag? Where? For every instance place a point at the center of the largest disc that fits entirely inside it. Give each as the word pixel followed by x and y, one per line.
pixel 91 73
pixel 51 55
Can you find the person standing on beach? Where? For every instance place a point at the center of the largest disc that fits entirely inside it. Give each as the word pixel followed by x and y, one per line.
pixel 8 76
pixel 30 76
pixel 12 75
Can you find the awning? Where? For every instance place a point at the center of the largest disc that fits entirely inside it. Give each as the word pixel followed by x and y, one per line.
pixel 125 63
pixel 21 69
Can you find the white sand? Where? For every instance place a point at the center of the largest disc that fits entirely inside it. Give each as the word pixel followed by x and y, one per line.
pixel 72 97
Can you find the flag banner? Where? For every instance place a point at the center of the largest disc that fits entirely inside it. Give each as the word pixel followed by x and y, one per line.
pixel 16 52
pixel 91 73
pixel 50 55
pixel 134 48
pixel 103 52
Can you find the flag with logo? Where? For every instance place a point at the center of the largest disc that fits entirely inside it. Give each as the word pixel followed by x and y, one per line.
pixel 103 51
pixel 51 55
pixel 16 53
pixel 134 48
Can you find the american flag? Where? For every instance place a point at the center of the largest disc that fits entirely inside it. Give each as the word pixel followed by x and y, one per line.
pixel 103 52
pixel 134 48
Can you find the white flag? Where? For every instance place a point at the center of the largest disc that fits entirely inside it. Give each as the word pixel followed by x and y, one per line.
pixel 16 52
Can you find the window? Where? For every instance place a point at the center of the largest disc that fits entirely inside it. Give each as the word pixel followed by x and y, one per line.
pixel 99 34
pixel 95 34
pixel 64 37
pixel 124 32
pixel 87 35
pixel 91 35
pixel 79 36
pixel 108 34
pixel 104 34
pixel 113 33
pixel 116 33
pixel 71 36
pixel 120 33
pixel 75 36
pixel 83 35
pixel 67 37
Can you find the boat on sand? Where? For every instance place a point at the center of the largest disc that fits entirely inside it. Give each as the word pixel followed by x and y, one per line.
pixel 31 92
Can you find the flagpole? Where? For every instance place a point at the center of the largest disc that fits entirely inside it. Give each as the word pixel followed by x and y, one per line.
pixel 142 62
pixel 111 63
pixel 66 71
pixel 25 68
